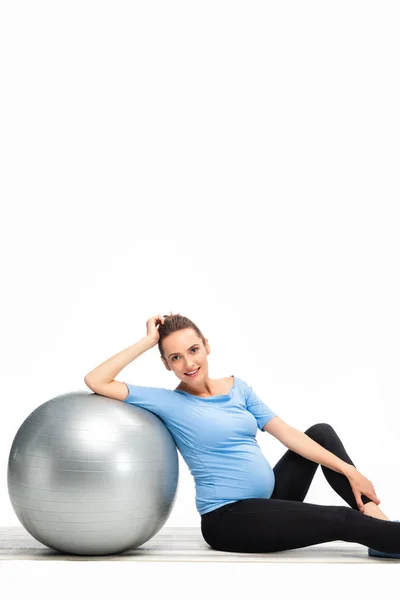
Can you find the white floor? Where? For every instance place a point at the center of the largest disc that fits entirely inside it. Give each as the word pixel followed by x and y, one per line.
pixel 177 563
pixel 185 544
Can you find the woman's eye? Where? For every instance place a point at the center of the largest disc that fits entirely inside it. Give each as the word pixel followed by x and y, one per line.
pixel 173 358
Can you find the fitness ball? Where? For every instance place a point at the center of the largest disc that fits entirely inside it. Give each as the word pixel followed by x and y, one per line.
pixel 91 475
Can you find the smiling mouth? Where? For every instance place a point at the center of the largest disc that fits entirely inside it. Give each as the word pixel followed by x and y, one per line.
pixel 194 374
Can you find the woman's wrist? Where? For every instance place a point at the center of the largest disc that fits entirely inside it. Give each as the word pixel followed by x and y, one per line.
pixel 151 341
pixel 348 469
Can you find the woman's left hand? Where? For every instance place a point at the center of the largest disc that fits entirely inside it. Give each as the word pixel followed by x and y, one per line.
pixel 361 485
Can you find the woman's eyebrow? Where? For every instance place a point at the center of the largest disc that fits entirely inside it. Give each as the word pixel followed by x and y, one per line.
pixel 179 352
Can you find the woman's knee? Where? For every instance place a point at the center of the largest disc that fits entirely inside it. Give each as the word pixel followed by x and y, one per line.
pixel 319 428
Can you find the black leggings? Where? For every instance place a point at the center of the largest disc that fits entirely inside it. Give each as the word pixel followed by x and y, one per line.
pixel 284 521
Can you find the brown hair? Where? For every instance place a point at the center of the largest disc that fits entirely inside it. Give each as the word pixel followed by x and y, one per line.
pixel 175 322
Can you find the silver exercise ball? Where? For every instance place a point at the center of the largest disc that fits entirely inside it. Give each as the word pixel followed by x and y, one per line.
pixel 91 475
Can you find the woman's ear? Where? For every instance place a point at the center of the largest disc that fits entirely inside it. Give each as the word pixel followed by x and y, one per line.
pixel 165 363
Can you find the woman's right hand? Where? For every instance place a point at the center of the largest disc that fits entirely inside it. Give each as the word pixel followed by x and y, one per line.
pixel 152 331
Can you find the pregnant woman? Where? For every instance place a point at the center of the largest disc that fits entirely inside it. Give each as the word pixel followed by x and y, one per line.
pixel 244 504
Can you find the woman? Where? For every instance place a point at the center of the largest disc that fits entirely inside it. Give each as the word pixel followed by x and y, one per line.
pixel 244 505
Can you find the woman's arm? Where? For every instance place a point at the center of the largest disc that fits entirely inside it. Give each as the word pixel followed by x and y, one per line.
pixel 108 370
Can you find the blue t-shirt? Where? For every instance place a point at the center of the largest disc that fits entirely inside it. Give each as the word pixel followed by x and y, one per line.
pixel 216 437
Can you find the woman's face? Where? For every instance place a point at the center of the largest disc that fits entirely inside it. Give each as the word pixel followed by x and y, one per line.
pixel 184 351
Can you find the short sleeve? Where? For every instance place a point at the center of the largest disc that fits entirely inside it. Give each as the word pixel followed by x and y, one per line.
pixel 258 408
pixel 154 399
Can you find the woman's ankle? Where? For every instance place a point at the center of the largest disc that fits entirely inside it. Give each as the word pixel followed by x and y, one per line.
pixel 372 510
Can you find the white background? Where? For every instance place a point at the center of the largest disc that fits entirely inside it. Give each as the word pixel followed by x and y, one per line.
pixel 236 162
